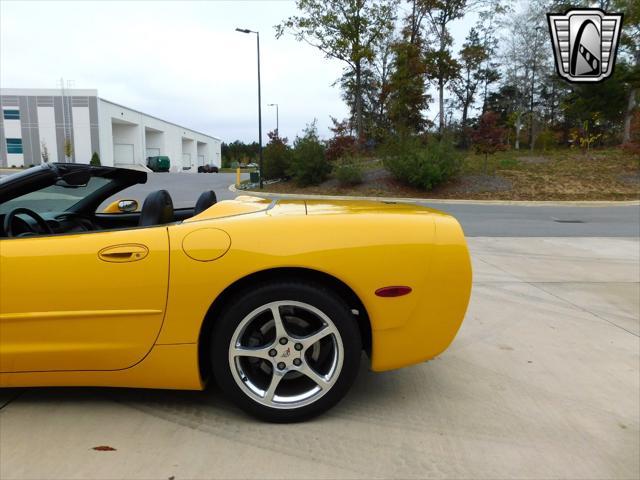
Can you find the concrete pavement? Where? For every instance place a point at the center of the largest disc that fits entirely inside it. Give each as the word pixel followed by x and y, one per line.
pixel 542 381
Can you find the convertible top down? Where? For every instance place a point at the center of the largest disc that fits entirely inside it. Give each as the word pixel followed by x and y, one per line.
pixel 274 299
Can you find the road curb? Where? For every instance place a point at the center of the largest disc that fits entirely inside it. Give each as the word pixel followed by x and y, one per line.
pixel 521 203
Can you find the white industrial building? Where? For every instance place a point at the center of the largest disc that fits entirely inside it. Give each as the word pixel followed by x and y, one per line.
pixel 70 125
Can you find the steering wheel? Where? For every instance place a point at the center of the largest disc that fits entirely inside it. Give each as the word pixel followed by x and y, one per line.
pixel 9 217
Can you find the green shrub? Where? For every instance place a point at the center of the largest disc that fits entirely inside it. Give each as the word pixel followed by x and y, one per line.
pixel 508 163
pixel 309 165
pixel 422 165
pixel 547 140
pixel 349 174
pixel 95 159
pixel 276 157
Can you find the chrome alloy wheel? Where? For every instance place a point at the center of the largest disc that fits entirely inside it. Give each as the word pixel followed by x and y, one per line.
pixel 286 354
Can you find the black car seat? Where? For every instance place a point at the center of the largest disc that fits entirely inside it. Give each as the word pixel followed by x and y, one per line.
pixel 157 209
pixel 205 200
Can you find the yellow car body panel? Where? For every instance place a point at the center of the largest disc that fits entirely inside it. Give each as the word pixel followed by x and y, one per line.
pixel 63 307
pixel 365 245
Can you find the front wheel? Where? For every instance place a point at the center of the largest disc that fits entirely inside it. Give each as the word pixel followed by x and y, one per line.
pixel 286 352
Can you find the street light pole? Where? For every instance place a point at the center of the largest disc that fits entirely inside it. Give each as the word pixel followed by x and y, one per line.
pixel 245 30
pixel 277 117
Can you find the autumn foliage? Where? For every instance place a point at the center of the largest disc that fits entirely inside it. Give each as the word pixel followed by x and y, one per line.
pixel 488 137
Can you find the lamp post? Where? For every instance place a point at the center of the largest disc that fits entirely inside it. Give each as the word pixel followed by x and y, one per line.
pixel 246 30
pixel 277 117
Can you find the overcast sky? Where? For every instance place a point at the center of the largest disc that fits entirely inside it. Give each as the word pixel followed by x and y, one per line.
pixel 178 60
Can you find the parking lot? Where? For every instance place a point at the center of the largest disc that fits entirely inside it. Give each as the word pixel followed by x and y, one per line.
pixel 183 187
pixel 541 382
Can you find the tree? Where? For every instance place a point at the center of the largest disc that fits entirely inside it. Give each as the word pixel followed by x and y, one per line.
pixel 347 30
pixel 602 105
pixel 489 19
pixel 309 165
pixel 67 148
pixel 407 96
pixel 488 137
pixel 527 61
pixel 630 48
pixel 343 143
pixel 465 86
pixel 442 67
pixel 239 152
pixel 95 159
pixel 375 91
pixel 276 157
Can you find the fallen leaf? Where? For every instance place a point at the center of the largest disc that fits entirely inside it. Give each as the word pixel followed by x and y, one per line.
pixel 104 448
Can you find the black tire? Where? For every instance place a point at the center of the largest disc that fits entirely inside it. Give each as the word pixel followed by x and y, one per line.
pixel 316 295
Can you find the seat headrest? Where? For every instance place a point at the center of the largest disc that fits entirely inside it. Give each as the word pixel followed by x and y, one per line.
pixel 157 209
pixel 205 200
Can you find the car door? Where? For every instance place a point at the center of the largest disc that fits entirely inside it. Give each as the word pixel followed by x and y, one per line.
pixel 89 301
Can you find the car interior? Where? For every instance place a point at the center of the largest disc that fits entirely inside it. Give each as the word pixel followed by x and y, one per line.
pixel 65 198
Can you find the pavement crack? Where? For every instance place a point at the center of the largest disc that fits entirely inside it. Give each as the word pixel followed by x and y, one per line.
pixel 579 307
pixel 537 285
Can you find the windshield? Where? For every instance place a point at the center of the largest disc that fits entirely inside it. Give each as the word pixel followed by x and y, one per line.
pixel 54 198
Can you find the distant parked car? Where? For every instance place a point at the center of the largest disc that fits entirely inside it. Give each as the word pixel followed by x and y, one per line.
pixel 160 163
pixel 252 165
pixel 207 169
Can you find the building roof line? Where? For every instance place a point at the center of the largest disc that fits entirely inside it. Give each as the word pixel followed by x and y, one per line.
pixel 160 119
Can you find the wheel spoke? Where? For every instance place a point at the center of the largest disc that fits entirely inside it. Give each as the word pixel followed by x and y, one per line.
pixel 262 352
pixel 275 381
pixel 320 380
pixel 279 324
pixel 317 336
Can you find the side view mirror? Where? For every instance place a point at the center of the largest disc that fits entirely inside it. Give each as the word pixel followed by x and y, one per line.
pixel 121 206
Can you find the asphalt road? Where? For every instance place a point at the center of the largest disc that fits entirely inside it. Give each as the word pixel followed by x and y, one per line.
pixel 544 221
pixel 183 187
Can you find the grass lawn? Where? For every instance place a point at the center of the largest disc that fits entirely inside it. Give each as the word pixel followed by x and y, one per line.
pixel 608 174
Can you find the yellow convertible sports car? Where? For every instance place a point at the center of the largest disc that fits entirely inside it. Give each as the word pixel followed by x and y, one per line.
pixel 275 300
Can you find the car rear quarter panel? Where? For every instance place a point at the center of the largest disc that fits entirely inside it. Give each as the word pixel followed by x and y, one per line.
pixel 365 251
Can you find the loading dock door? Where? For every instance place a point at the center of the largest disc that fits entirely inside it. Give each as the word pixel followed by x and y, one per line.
pixel 186 161
pixel 153 152
pixel 123 154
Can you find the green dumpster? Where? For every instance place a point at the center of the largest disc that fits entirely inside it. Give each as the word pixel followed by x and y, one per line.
pixel 254 177
pixel 159 164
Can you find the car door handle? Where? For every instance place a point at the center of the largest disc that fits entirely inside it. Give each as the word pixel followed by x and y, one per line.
pixel 130 252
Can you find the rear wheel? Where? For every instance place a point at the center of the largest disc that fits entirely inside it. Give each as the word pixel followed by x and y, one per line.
pixel 286 352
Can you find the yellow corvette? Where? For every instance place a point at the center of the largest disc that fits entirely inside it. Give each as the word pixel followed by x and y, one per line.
pixel 275 300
